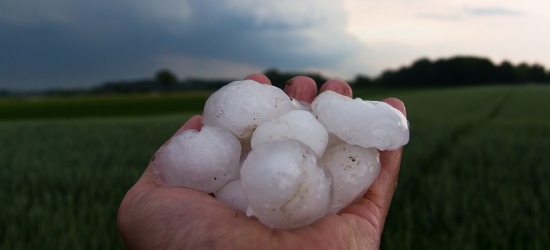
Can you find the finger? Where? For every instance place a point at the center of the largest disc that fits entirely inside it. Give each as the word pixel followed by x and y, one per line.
pixel 194 122
pixel 337 86
pixel 301 88
pixel 258 77
pixel 396 103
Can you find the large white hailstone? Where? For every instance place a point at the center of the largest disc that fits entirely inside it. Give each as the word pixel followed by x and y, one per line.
pixel 241 106
pixel 364 123
pixel 301 105
pixel 353 170
pixel 245 148
pixel 285 186
pixel 233 194
pixel 297 125
pixel 333 140
pixel 205 160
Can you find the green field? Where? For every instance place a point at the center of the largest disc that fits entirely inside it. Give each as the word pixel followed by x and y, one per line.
pixel 75 107
pixel 474 175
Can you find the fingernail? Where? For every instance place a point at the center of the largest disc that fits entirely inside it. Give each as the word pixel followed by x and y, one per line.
pixel 258 77
pixel 301 88
pixel 337 86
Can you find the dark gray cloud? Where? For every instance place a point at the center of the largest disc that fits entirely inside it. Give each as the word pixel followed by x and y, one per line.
pixel 79 43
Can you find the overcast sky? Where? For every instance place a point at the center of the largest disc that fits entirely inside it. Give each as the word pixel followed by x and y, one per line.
pixel 79 43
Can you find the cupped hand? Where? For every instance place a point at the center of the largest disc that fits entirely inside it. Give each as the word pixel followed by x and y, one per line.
pixel 155 217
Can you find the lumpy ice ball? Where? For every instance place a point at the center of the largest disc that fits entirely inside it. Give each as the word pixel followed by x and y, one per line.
pixel 353 169
pixel 363 123
pixel 233 194
pixel 301 105
pixel 285 186
pixel 205 160
pixel 297 125
pixel 241 106
pixel 287 163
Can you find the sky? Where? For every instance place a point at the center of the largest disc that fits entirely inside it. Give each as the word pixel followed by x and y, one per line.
pixel 78 44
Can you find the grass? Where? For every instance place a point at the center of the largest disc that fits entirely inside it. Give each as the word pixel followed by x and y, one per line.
pixel 63 180
pixel 474 175
pixel 101 106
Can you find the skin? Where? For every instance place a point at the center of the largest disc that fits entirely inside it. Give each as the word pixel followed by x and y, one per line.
pixel 155 217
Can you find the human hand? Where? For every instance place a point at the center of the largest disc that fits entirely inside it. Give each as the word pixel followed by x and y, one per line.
pixel 156 217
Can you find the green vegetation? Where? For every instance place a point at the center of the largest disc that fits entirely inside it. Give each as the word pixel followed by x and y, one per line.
pixel 455 71
pixel 101 106
pixel 458 71
pixel 474 175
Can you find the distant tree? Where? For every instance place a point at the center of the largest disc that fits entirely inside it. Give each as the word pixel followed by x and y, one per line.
pixel 279 79
pixel 422 73
pixel 4 93
pixel 460 70
pixel 390 78
pixel 361 81
pixel 506 73
pixel 537 73
pixel 166 78
pixel 470 70
pixel 522 72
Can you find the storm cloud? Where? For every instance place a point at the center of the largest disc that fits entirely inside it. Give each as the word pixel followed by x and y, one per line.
pixel 61 43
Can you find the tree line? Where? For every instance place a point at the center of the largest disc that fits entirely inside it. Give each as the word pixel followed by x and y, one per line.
pixel 457 71
pixel 444 72
pixel 454 71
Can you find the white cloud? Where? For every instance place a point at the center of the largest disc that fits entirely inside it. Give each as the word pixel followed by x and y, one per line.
pixel 398 32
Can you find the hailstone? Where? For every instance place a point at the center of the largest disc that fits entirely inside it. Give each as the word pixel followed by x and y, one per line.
pixel 353 169
pixel 285 186
pixel 205 160
pixel 233 194
pixel 363 123
pixel 297 125
pixel 241 106
pixel 333 140
pixel 301 105
pixel 286 162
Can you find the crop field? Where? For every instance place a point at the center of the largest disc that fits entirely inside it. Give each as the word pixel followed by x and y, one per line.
pixel 474 175
pixel 75 107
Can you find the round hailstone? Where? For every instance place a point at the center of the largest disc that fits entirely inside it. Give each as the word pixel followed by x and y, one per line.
pixel 333 140
pixel 301 105
pixel 205 160
pixel 353 170
pixel 364 123
pixel 241 106
pixel 233 195
pixel 297 125
pixel 246 148
pixel 284 184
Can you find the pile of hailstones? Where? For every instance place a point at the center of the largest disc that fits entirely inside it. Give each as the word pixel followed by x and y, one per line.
pixel 288 163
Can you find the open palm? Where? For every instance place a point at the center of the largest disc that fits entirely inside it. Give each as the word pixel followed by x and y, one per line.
pixel 156 217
